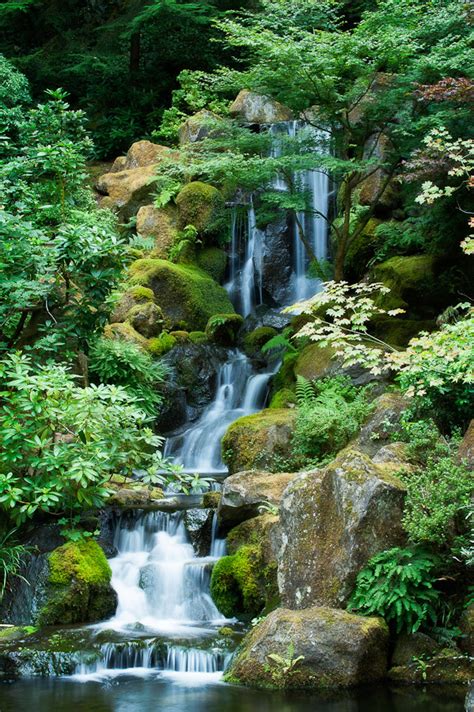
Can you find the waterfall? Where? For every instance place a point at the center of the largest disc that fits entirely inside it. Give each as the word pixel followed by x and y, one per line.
pixel 239 392
pixel 245 284
pixel 163 590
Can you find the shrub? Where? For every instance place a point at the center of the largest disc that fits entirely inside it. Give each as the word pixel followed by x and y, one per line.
pixel 329 414
pixel 399 585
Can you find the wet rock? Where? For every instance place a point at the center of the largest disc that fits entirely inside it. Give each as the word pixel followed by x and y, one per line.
pixel 252 108
pixel 466 624
pixel 224 328
pixel 449 667
pixel 337 649
pixel 413 645
pixel 261 441
pixel 198 523
pixel 245 492
pixel 333 521
pixel 147 319
pixel 276 262
pixel 469 701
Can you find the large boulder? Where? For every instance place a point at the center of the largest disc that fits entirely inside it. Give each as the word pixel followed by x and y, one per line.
pixel 448 667
pixel 244 493
pixel 337 649
pixel 202 205
pixel 276 262
pixel 245 581
pixel 315 361
pixel 78 587
pixel 333 521
pixel 187 296
pixel 129 299
pixel 378 147
pixel 383 423
pixel 262 440
pixel 147 319
pixel 252 108
pixel 409 277
pixel 160 225
pixel 197 127
pixel 129 184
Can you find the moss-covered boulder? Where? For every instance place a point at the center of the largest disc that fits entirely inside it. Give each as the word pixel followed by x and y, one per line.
pixel 212 260
pixel 409 646
pixel 129 299
pixel 198 337
pixel 244 493
pixel 336 649
pixel 383 423
pixel 398 332
pixel 284 398
pixel 124 331
pixel 78 587
pixel 201 205
pixel 187 296
pixel 257 338
pixel 197 127
pixel 160 225
pixel 147 319
pixel 361 250
pixel 224 328
pixel 333 521
pixel 315 361
pixel 260 441
pixel 449 667
pixel 245 581
pixel 409 277
pixel 161 345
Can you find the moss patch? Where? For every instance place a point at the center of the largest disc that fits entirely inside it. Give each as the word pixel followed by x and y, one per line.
pixel 201 205
pixel 257 338
pixel 283 398
pixel 213 260
pixel 79 588
pixel 223 328
pixel 187 295
pixel 161 344
pixel 234 583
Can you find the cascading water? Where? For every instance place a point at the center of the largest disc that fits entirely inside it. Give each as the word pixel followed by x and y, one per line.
pixel 245 285
pixel 239 392
pixel 163 592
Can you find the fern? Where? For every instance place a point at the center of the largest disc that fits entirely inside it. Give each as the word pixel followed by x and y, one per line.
pixel 305 393
pixel 280 342
pixel 399 585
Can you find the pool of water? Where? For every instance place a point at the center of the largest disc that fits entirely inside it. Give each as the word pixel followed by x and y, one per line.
pixel 175 694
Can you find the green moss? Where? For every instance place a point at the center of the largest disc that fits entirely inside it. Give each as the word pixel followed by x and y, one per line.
pixel 198 337
pixel 186 294
pixel 141 294
pixel 398 332
pixel 283 398
pixel 201 205
pixel 210 500
pixel 257 338
pixel 124 331
pixel 213 260
pixel 78 589
pixel 314 361
pixel 161 344
pixel 180 336
pixel 146 318
pixel 223 328
pixel 362 249
pixel 234 583
pixel 285 377
pixel 408 277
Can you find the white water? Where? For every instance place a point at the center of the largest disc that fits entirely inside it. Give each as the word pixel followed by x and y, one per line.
pixel 163 590
pixel 239 392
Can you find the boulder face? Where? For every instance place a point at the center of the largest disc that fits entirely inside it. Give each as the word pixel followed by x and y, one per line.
pixel 276 262
pixel 383 422
pixel 197 127
pixel 128 184
pixel 466 448
pixel 262 440
pixel 245 492
pixel 187 296
pixel 252 108
pixel 159 224
pixel 333 521
pixel 202 205
pixel 338 649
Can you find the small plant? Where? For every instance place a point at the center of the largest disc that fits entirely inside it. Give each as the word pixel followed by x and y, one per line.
pixel 72 532
pixel 268 508
pixel 286 665
pixel 12 557
pixel 399 585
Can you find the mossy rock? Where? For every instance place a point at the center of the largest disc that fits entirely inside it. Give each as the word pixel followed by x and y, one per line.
pixel 398 332
pixel 224 328
pixel 181 336
pixel 124 331
pixel 187 296
pixel 448 667
pixel 260 441
pixel 284 398
pixel 161 344
pixel 362 249
pixel 129 299
pixel 285 377
pixel 235 585
pixel 147 319
pixel 314 361
pixel 78 587
pixel 210 500
pixel 213 260
pixel 257 338
pixel 409 277
pixel 201 205
pixel 198 337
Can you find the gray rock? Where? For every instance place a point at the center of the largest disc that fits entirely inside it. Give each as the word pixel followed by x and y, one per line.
pixel 333 521
pixel 276 262
pixel 383 423
pixel 252 108
pixel 245 492
pixel 414 645
pixel 198 523
pixel 338 649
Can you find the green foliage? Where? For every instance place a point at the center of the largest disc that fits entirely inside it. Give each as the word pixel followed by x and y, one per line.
pixel 399 585
pixel 60 444
pixel 329 414
pixel 123 363
pixel 285 665
pixel 12 557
